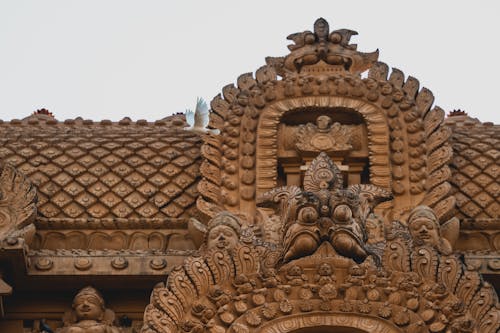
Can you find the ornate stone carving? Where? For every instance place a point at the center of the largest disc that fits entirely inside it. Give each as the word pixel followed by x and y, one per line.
pixel 425 230
pixel 312 49
pixel 324 136
pixel 324 211
pixel 224 231
pixel 89 314
pixel 233 287
pixel 17 205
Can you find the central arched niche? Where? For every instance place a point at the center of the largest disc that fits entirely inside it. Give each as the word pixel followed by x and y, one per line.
pixel 305 132
pixel 329 329
pixel 408 149
pixel 328 323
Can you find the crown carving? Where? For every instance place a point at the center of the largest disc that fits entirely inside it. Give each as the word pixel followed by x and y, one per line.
pixel 322 51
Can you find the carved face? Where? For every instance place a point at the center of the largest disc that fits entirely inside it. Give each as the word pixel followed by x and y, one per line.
pixel 295 271
pixel 424 230
pixel 88 307
pixel 321 28
pixel 325 269
pixel 323 122
pixel 222 237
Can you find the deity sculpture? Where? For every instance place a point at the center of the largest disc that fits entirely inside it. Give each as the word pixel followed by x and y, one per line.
pixel 324 211
pixel 323 136
pixel 223 231
pixel 426 231
pixel 89 314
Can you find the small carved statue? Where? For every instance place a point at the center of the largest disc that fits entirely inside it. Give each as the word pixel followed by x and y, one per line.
pixel 323 136
pixel 325 275
pixel 224 231
pixel 89 314
pixel 425 230
pixel 295 276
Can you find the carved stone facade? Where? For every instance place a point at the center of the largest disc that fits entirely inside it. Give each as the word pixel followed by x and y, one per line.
pixel 320 199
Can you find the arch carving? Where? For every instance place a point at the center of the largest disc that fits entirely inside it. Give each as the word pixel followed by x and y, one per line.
pixel 324 271
pixel 409 151
pixel 342 320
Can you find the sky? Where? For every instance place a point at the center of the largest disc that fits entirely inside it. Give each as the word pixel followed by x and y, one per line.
pixel 109 59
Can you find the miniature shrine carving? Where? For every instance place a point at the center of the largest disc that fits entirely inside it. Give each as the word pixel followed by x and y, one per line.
pixel 89 314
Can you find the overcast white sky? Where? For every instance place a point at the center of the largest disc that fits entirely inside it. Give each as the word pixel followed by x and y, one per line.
pixel 106 59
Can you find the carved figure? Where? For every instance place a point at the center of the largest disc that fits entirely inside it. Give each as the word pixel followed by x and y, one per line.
pixel 295 276
pixel 324 136
pixel 224 231
pixel 325 275
pixel 425 230
pixel 89 314
pixel 324 211
pixel 17 204
pixel 333 48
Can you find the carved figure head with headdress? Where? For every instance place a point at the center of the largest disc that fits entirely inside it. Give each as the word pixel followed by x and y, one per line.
pixel 88 314
pixel 89 304
pixel 425 229
pixel 224 231
pixel 323 122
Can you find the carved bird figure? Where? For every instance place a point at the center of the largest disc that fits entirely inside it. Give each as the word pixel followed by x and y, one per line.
pixel 198 120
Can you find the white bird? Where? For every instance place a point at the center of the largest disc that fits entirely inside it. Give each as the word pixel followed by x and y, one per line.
pixel 198 120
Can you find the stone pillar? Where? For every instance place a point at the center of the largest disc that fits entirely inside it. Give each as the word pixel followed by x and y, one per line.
pixel 293 174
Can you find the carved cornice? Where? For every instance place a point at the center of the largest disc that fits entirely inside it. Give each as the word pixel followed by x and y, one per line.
pixel 110 223
pixel 485 262
pixel 104 262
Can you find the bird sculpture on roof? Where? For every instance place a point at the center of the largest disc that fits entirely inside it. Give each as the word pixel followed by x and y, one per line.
pixel 198 120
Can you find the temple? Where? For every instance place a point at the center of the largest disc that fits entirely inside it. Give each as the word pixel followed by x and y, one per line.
pixel 326 193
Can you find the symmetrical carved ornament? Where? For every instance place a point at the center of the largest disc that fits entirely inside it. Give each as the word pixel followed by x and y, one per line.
pixel 407 142
pixel 106 170
pixel 476 170
pixel 315 279
pixel 323 136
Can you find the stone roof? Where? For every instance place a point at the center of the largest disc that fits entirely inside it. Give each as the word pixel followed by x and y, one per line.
pixel 86 169
pixel 475 167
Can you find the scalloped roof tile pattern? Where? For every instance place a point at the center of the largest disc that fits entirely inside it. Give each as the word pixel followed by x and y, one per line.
pixel 84 169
